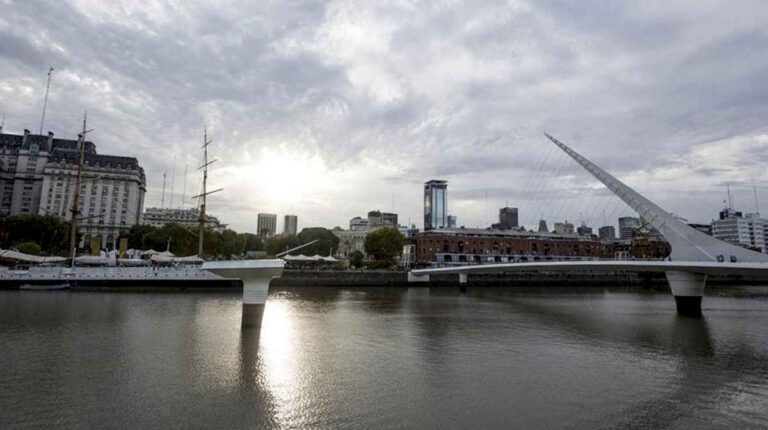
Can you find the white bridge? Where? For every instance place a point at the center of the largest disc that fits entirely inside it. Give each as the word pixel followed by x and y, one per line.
pixel 694 254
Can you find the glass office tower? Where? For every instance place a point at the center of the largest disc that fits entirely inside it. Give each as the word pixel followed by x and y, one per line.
pixel 435 204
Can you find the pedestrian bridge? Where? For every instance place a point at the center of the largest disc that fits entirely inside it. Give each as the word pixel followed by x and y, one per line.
pixel 694 254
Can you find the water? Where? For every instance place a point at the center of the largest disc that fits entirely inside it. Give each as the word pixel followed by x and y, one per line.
pixel 384 358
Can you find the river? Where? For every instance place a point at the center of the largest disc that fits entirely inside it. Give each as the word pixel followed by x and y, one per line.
pixel 384 358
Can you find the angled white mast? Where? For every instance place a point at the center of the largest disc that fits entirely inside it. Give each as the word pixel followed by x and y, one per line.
pixel 687 243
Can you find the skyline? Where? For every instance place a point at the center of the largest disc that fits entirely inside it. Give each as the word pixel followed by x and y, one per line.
pixel 361 104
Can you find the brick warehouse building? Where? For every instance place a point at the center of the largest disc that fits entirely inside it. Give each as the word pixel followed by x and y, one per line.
pixel 461 246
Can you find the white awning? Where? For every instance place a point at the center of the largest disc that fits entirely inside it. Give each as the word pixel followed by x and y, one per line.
pixel 12 254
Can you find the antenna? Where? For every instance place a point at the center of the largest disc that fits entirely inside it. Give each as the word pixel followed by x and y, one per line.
pixel 173 180
pixel 162 199
pixel 184 191
pixel 45 100
pixel 757 207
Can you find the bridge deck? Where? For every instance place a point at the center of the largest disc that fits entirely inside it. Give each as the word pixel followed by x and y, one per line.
pixel 709 268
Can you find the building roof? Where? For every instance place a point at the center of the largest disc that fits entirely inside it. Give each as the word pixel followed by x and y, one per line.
pixel 504 233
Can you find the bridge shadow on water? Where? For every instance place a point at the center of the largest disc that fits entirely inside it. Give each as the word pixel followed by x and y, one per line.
pixel 703 371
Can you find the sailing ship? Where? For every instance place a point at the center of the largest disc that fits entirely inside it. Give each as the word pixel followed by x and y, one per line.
pixel 184 272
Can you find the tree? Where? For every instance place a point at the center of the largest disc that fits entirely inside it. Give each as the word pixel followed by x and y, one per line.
pixel 326 241
pixel 31 248
pixel 49 232
pixel 384 244
pixel 253 242
pixel 278 244
pixel 356 259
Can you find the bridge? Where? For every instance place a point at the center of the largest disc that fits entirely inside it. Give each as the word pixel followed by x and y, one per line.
pixel 694 254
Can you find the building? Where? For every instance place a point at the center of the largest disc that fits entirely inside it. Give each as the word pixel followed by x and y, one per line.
pixel 747 231
pixel 266 225
pixel 564 228
pixel 435 204
pixel 38 176
pixel 507 219
pixel 290 225
pixel 190 218
pixel 358 223
pixel 466 246
pixel 626 225
pixel 584 230
pixel 704 228
pixel 452 221
pixel 607 233
pixel 543 226
pixel 354 239
pixel 382 219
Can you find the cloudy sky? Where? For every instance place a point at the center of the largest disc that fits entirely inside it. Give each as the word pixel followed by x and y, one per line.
pixel 329 109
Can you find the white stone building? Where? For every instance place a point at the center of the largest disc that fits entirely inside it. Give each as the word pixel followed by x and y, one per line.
pixel 38 176
pixel 190 218
pixel 748 231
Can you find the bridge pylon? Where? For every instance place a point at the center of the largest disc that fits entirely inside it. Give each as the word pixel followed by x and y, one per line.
pixel 686 243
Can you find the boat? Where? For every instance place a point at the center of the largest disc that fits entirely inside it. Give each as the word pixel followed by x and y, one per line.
pixel 44 287
pixel 161 270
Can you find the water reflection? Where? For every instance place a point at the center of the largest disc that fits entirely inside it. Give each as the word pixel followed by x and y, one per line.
pixel 372 358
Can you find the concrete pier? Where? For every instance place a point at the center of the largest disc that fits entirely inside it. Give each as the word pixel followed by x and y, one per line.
pixel 688 289
pixel 256 275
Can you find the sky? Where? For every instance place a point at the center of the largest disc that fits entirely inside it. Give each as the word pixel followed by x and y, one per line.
pixel 327 110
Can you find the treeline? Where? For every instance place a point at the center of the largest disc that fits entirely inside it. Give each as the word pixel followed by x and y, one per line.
pixel 35 234
pixel 49 235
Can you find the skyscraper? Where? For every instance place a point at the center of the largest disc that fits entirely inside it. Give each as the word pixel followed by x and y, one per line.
pixel 607 233
pixel 507 218
pixel 290 224
pixel 626 224
pixel 266 225
pixel 435 204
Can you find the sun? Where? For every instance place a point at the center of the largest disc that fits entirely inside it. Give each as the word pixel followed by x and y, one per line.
pixel 288 176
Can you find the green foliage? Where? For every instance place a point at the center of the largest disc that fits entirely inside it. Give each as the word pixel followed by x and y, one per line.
pixel 253 242
pixel 276 245
pixel 356 259
pixel 384 244
pixel 29 248
pixel 49 232
pixel 326 241
pixel 183 240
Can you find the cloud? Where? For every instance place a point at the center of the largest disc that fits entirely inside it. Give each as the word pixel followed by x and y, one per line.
pixel 366 100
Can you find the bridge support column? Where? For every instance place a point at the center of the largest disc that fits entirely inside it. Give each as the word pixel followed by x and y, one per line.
pixel 463 276
pixel 688 289
pixel 256 276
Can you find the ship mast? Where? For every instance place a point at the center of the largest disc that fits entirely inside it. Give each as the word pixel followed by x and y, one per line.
pixel 205 193
pixel 76 202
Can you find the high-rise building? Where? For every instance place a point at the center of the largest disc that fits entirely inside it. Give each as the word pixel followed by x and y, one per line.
pixel 563 228
pixel 748 231
pixel 266 225
pixel 607 233
pixel 38 175
pixel 290 225
pixel 382 219
pixel 507 218
pixel 451 221
pixel 584 230
pixel 389 219
pixel 626 225
pixel 543 226
pixel 435 204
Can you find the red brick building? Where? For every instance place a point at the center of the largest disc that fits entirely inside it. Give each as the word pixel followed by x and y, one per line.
pixel 461 246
